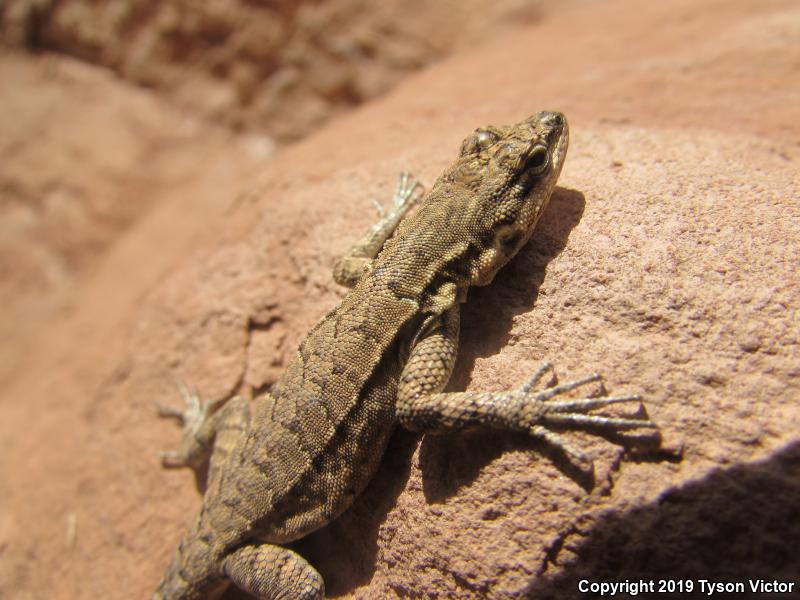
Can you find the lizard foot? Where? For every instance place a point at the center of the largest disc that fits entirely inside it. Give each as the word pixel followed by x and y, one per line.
pixel 349 269
pixel 569 413
pixel 198 431
pixel 405 195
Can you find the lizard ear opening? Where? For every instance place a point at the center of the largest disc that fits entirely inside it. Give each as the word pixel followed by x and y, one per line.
pixel 508 236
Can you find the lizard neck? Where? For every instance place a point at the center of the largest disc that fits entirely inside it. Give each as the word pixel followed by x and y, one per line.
pixel 431 257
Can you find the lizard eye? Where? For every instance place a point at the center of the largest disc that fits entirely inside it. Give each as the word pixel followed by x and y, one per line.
pixel 538 159
pixel 484 139
pixel 480 140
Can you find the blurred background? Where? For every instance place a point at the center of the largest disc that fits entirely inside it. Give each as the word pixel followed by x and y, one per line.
pixel 108 107
pixel 278 67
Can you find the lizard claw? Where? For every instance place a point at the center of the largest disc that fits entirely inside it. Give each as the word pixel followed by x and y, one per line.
pixel 571 412
pixel 194 418
pixel 534 379
pixel 405 195
pixel 405 191
pixel 171 459
pixel 577 458
pixel 193 407
pixel 379 208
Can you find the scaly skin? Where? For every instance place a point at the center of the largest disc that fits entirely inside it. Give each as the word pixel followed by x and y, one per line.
pixel 380 358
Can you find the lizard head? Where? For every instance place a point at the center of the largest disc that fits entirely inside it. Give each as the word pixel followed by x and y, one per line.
pixel 508 174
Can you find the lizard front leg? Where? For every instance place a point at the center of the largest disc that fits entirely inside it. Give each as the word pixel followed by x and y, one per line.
pixel 421 405
pixel 350 268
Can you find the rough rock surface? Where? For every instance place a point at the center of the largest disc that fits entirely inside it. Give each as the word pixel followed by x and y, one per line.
pixel 668 260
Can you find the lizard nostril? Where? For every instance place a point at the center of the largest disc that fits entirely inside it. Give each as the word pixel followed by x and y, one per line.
pixel 553 119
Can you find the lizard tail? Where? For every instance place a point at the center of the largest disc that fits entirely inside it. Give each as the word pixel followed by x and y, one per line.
pixel 192 573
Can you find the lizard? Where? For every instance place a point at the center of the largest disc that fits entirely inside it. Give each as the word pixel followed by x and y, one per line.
pixel 298 457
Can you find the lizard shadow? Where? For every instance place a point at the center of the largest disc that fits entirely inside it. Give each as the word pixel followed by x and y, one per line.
pixel 452 461
pixel 345 551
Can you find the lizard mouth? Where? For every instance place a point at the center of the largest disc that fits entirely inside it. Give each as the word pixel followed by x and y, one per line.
pixel 557 137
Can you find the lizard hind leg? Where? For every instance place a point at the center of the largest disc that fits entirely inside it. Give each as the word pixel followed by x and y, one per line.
pixel 209 432
pixel 273 573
